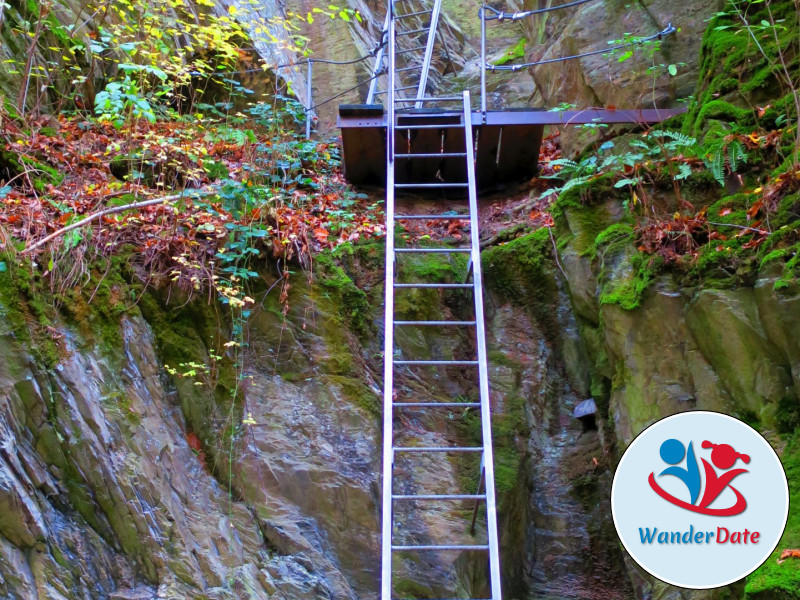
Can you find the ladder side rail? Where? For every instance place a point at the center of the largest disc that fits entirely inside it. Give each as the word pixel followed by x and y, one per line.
pixel 426 62
pixel 373 86
pixel 483 371
pixel 483 63
pixel 388 346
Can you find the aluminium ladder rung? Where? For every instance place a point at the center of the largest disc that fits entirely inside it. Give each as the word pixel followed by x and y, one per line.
pixel 433 154
pixel 413 31
pixel 437 404
pixel 408 87
pixel 439 497
pixel 414 49
pixel 420 449
pixel 446 286
pixel 412 14
pixel 439 548
pixel 437 363
pixel 439 126
pixel 433 250
pixel 438 99
pixel 436 323
pixel 432 217
pixel 430 186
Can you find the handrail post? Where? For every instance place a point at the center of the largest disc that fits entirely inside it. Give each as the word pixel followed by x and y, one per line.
pixel 483 63
pixel 426 60
pixel 373 85
pixel 310 107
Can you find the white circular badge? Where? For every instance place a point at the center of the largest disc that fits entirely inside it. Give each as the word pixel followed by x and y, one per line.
pixel 700 500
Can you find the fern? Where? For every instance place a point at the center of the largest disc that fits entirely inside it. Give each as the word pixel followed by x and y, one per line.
pixel 563 162
pixel 717 165
pixel 736 156
pixel 677 136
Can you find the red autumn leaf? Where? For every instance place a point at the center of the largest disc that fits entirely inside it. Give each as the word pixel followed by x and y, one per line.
pixel 789 553
pixel 321 234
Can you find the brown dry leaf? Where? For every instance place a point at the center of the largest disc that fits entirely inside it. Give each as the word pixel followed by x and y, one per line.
pixel 790 553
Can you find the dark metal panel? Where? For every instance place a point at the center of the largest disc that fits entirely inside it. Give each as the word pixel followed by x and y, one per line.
pixel 507 145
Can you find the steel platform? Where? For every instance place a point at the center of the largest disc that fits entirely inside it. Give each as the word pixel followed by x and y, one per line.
pixel 507 142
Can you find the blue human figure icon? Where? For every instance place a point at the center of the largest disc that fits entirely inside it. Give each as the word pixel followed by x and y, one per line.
pixel 672 453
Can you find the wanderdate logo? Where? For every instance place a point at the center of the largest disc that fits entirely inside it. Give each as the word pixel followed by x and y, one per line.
pixel 723 457
pixel 700 499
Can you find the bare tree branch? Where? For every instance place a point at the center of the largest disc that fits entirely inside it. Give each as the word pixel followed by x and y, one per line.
pixel 109 211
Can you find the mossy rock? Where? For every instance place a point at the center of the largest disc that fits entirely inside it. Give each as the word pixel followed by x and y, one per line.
pixel 735 74
pixel 524 270
pixel 773 581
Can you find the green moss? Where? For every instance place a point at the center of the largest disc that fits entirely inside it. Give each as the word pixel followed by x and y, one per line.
pixel 581 213
pixel 184 332
pixel 359 393
pixel 42 175
pixel 782 581
pixel 339 287
pixel 27 312
pixel 618 235
pixel 735 74
pixel 514 52
pixel 787 417
pixel 629 292
pixel 524 270
pixel 408 588
pixel 720 110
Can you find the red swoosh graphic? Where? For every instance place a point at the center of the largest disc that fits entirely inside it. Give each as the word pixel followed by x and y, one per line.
pixel 736 509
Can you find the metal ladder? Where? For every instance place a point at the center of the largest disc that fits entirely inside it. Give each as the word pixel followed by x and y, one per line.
pixel 391 405
pixel 414 32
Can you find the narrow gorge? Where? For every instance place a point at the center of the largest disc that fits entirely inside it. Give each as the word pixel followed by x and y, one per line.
pixel 191 390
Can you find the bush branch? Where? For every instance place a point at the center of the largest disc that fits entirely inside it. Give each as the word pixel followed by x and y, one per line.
pixel 109 211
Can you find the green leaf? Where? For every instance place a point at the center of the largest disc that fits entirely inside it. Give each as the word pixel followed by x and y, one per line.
pixel 673 70
pixel 3 267
pixel 766 24
pixel 50 265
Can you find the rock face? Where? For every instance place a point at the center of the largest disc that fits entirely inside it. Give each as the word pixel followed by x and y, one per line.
pixel 121 481
pixel 103 496
pixel 602 80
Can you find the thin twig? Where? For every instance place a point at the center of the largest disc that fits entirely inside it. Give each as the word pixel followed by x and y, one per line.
pixel 555 253
pixel 745 227
pixel 108 211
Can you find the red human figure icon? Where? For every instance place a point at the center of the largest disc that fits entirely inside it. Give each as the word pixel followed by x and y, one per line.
pixel 724 457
